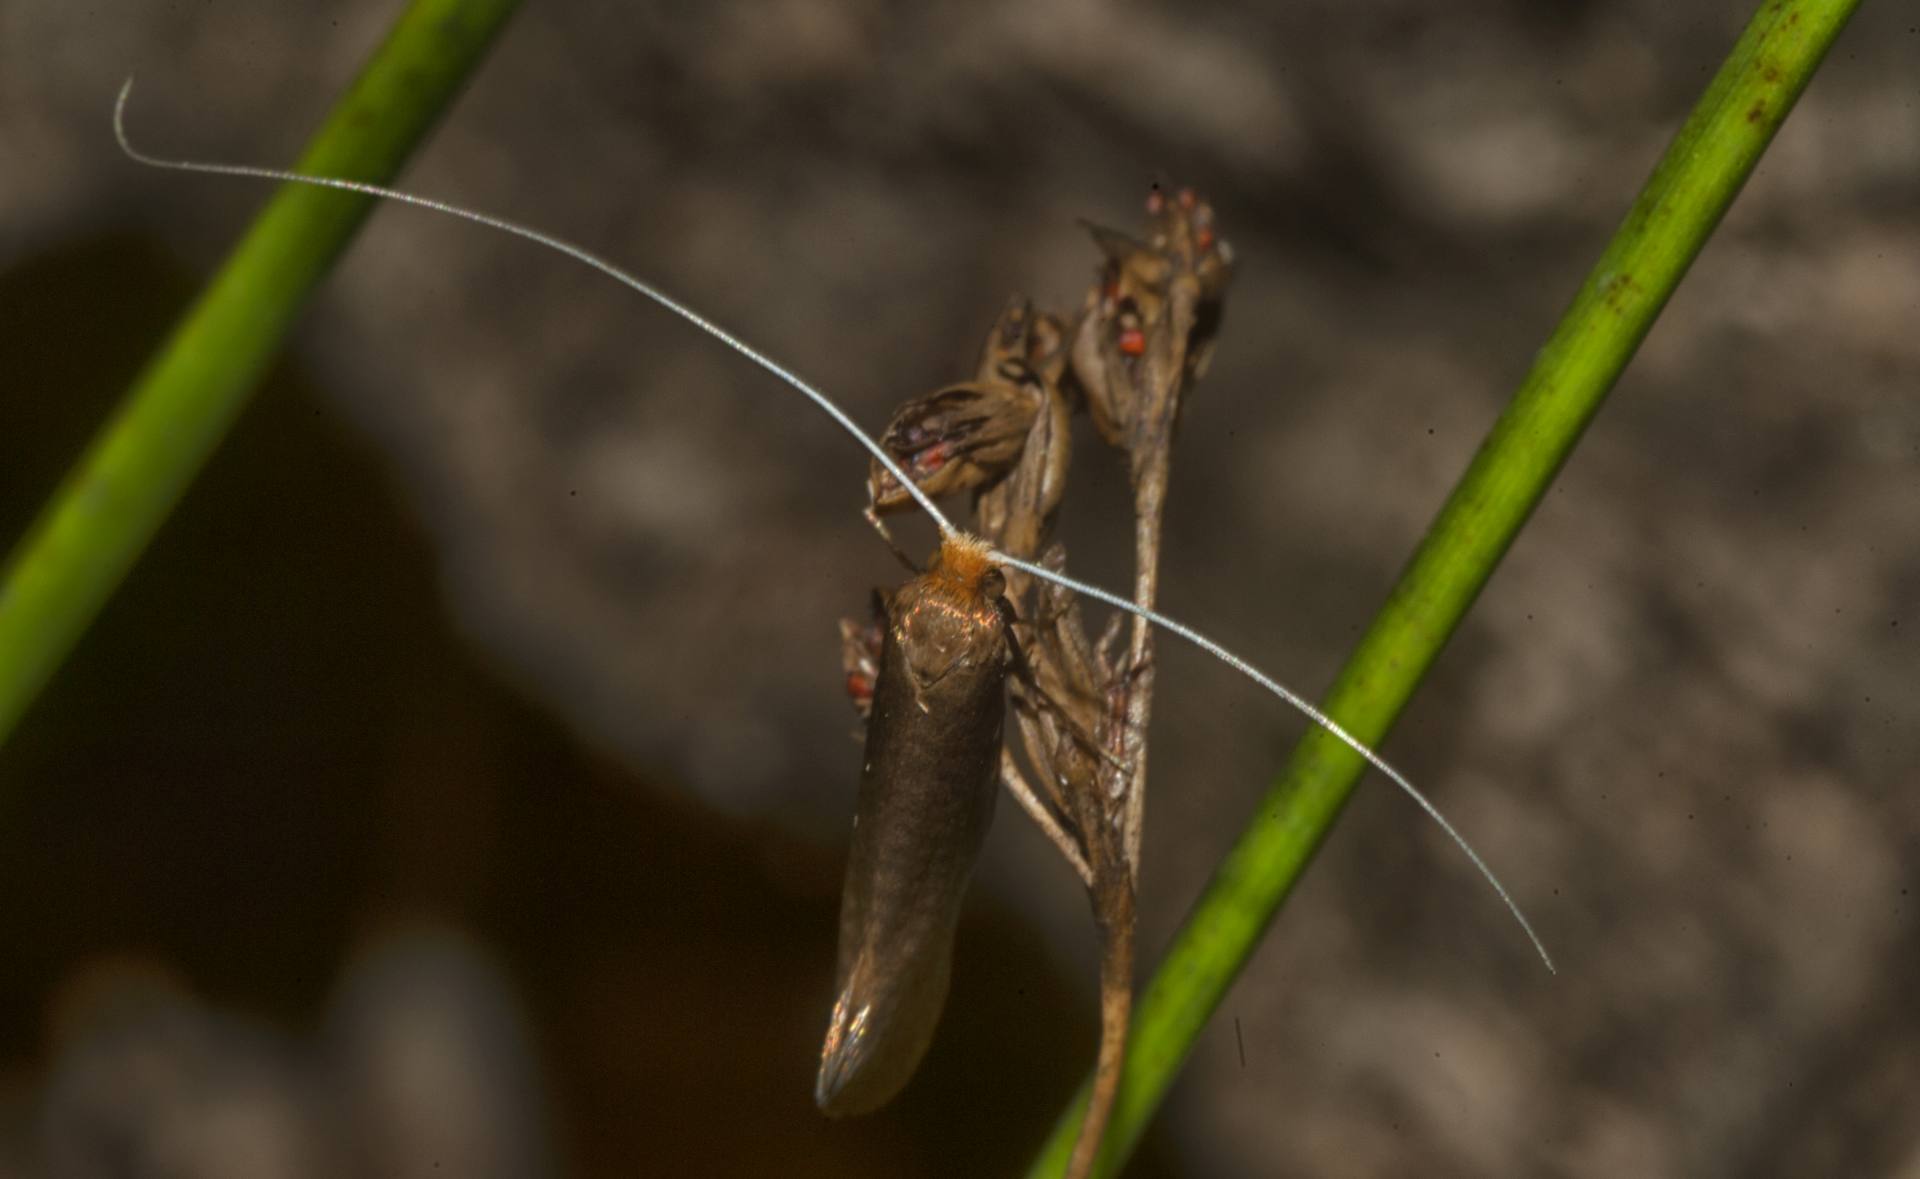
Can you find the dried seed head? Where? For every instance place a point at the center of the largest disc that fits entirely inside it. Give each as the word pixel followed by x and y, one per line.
pixel 958 439
pixel 1148 327
pixel 860 654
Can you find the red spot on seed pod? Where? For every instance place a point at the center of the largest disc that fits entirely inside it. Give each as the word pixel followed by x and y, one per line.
pixel 1204 239
pixel 859 686
pixel 934 457
pixel 1133 342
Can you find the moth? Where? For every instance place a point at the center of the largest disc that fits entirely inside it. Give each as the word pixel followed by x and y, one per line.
pixel 927 788
pixel 930 679
pixel 949 651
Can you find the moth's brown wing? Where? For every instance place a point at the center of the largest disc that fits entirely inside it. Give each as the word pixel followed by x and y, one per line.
pixel 927 791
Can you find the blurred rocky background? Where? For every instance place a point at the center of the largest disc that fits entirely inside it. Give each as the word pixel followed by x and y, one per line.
pixel 459 785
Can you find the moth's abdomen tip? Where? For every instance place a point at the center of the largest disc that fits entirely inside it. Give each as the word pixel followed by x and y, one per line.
pixel 834 1091
pixel 837 1089
pixel 847 1087
pixel 828 1085
pixel 875 1040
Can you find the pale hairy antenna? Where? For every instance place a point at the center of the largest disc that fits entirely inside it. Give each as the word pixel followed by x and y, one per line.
pixel 947 529
pixel 1305 708
pixel 577 253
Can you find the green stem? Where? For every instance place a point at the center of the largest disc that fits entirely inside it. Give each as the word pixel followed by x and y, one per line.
pixel 1675 214
pixel 138 466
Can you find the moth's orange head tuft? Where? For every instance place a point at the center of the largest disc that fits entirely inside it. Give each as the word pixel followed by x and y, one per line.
pixel 965 565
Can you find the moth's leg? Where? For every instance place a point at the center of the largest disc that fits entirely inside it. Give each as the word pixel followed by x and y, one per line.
pixel 893 546
pixel 1043 816
pixel 1046 702
pixel 1081 668
pixel 1130 670
pixel 1054 754
pixel 1104 651
pixel 1052 697
pixel 1038 740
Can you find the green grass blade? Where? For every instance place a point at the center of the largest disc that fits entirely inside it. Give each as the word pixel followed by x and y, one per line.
pixel 113 501
pixel 1675 214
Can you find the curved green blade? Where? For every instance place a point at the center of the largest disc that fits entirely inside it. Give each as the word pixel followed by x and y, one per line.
pixel 112 502
pixel 1692 186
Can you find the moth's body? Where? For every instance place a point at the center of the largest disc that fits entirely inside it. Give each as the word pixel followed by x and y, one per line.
pixel 927 788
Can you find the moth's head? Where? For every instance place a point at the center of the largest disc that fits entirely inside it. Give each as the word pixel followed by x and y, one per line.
pixel 949 618
pixel 964 568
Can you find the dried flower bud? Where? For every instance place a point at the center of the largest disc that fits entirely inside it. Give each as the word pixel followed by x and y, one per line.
pixel 860 654
pixel 1024 344
pixel 961 438
pixel 1149 322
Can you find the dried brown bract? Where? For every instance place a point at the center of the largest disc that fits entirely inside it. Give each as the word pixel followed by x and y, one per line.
pixel 958 439
pixel 860 644
pixel 1148 326
pixel 969 436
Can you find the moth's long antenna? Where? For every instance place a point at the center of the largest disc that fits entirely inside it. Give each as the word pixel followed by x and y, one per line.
pixel 1301 705
pixel 553 243
pixel 893 467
